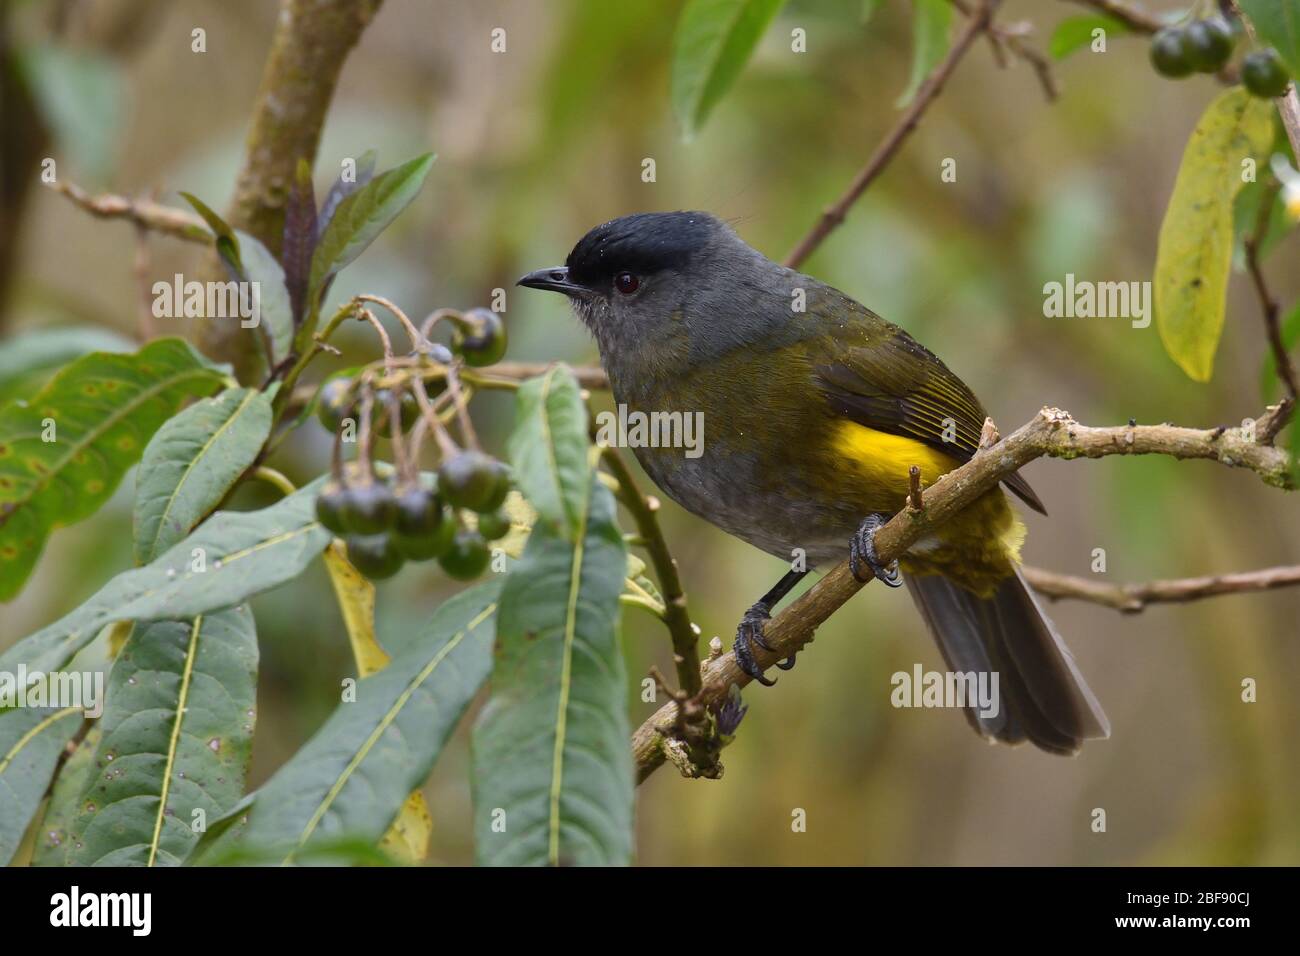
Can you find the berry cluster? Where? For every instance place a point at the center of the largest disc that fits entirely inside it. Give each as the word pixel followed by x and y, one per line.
pixel 1205 46
pixel 411 518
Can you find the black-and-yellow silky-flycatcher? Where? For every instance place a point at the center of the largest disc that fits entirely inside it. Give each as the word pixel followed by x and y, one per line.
pixel 814 409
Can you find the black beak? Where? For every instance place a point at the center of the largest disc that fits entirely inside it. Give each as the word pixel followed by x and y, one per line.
pixel 555 279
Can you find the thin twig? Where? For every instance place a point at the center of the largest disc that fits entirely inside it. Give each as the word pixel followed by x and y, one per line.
pixel 1052 433
pixel 1137 20
pixel 976 24
pixel 686 655
pixel 145 213
pixel 1268 303
pixel 1132 598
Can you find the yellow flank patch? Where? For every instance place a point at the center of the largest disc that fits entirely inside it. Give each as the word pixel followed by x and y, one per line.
pixel 883 459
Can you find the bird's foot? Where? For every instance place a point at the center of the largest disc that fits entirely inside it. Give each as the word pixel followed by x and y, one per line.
pixel 862 551
pixel 749 633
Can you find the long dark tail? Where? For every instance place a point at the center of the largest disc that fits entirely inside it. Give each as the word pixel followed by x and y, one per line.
pixel 1042 695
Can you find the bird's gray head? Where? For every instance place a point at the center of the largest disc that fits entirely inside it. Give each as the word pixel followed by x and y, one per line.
pixel 676 282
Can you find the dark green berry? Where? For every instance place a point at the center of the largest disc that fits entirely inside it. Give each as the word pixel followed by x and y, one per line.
pixel 1264 74
pixel 493 525
pixel 382 416
pixel 1169 53
pixel 432 543
pixel 333 402
pixel 467 557
pixel 419 511
pixel 374 555
pixel 484 341
pixel 474 480
pixel 1208 44
pixel 368 508
pixel 329 504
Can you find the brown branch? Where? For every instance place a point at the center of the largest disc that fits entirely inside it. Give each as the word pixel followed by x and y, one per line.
pixel 685 637
pixel 976 24
pixel 1051 433
pixel 1013 36
pixel 589 376
pixel 311 42
pixel 1132 598
pixel 1268 303
pixel 1136 19
pixel 145 213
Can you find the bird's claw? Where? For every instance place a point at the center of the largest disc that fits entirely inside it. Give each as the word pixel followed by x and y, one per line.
pixel 862 550
pixel 749 633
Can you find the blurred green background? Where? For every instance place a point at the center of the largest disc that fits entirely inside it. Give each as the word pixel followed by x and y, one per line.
pixel 540 143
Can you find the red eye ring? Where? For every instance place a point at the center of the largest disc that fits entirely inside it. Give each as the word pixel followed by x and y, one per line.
pixel 626 283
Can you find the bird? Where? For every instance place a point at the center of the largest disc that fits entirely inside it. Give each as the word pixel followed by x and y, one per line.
pixel 814 410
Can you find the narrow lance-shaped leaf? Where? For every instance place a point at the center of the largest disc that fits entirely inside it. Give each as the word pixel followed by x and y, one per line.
pixel 63 453
pixel 361 217
pixel 352 778
pixel 28 360
pixel 348 182
pixel 223 236
pixel 275 312
pixel 177 734
pixel 931 23
pixel 713 41
pixel 192 462
pixel 548 448
pixel 54 839
pixel 231 557
pixel 299 239
pixel 31 739
pixel 552 769
pixel 1195 248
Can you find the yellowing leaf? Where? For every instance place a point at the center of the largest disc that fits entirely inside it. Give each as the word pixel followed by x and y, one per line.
pixel 356 597
pixel 1195 250
pixel 407 839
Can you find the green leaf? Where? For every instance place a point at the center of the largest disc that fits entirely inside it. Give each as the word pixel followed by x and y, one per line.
pixel 355 775
pixel 548 448
pixel 550 750
pixel 81 95
pixel 1195 248
pixel 713 41
pixel 931 23
pixel 224 238
pixel 362 216
pixel 29 359
pixel 31 739
pixel 1278 24
pixel 101 411
pixel 1268 378
pixel 240 554
pixel 1075 33
pixel 276 314
pixel 192 462
pixel 177 735
pixel 54 839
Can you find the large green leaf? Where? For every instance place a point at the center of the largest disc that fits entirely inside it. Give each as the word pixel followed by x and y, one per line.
pixel 29 359
pixel 713 41
pixel 931 24
pixel 360 217
pixel 1278 24
pixel 1074 33
pixel 240 554
pixel 552 769
pixel 100 411
pixel 177 734
pixel 1195 249
pixel 354 776
pixel 192 462
pixel 54 839
pixel 548 448
pixel 31 739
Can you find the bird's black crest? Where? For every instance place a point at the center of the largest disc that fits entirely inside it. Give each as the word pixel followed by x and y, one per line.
pixel 643 244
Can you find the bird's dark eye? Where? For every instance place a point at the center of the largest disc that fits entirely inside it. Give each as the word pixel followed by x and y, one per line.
pixel 626 283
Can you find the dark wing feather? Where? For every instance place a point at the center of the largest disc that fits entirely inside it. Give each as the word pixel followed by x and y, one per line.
pixel 896 385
